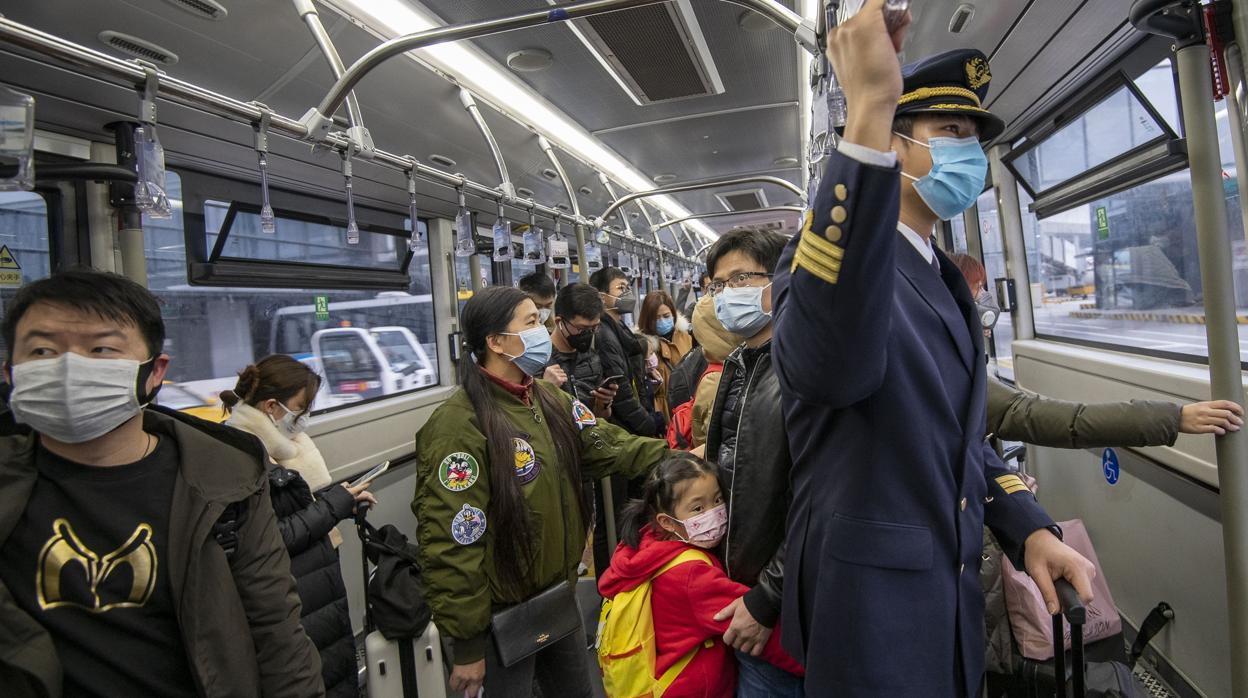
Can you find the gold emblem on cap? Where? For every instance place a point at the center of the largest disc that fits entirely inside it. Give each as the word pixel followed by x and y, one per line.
pixel 977 72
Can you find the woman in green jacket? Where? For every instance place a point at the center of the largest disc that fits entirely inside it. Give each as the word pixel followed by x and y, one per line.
pixel 500 510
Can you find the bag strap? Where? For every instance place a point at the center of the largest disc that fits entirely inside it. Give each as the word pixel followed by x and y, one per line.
pixel 407 664
pixel 685 556
pixel 365 531
pixel 1158 618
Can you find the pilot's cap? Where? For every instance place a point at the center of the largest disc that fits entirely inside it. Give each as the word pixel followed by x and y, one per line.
pixel 953 82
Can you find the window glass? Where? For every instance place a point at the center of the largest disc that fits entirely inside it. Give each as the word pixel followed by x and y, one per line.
pixel 958 225
pixel 1091 140
pixel 1157 85
pixel 993 247
pixel 24 236
pixel 307 241
pixel 364 345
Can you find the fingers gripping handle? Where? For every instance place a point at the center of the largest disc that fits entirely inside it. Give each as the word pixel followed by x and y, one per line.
pixel 1072 607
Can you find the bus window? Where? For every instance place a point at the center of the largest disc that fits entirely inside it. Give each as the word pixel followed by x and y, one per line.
pixel 1124 270
pixel 214 332
pixel 24 234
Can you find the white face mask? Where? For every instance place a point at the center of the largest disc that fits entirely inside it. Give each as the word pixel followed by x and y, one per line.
pixel 290 423
pixel 543 314
pixel 74 399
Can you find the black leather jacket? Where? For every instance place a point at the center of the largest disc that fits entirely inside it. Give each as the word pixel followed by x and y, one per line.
pixel 746 437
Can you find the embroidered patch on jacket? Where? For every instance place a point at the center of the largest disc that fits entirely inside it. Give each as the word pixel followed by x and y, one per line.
pixel 582 415
pixel 527 465
pixel 1012 484
pixel 459 471
pixel 468 525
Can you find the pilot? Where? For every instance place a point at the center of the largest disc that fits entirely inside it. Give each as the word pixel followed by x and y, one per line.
pixel 876 345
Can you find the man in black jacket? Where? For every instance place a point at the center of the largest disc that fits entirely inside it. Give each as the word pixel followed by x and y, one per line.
pixel 746 438
pixel 622 354
pixel 578 317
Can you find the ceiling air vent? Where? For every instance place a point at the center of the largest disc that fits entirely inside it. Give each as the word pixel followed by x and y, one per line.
pixel 657 52
pixel 140 48
pixel 204 9
pixel 550 174
pixel 442 161
pixel 769 225
pixel 525 192
pixel 743 200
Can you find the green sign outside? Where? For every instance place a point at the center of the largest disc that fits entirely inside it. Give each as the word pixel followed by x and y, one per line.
pixel 1102 223
pixel 322 307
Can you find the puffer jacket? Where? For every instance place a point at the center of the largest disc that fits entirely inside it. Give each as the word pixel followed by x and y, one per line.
pixel 747 438
pixel 717 344
pixel 1014 415
pixel 584 370
pixel 621 354
pixel 306 523
pixel 239 615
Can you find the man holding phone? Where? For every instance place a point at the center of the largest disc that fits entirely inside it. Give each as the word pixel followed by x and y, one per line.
pixel 578 315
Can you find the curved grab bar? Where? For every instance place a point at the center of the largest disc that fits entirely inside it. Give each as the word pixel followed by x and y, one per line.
pixel 317 120
pixel 712 184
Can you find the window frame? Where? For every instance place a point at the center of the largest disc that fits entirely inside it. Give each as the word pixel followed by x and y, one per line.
pixel 1157 157
pixel 211 268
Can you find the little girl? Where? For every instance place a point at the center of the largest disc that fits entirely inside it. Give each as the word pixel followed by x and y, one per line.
pixel 681 507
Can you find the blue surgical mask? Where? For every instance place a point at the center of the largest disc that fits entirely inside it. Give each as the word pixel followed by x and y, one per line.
pixel 740 310
pixel 536 350
pixel 665 325
pixel 956 179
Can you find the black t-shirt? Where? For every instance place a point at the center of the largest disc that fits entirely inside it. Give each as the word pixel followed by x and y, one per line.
pixel 88 560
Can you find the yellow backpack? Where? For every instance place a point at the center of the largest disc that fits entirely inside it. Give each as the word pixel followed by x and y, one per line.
pixel 626 643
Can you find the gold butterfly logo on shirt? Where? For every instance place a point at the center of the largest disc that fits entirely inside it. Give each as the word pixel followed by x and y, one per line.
pixel 64 552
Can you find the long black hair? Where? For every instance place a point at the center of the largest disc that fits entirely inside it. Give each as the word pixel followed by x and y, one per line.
pixel 488 313
pixel 658 495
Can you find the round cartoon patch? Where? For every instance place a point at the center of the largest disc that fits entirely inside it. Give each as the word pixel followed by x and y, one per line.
pixel 458 471
pixel 582 415
pixel 468 525
pixel 527 464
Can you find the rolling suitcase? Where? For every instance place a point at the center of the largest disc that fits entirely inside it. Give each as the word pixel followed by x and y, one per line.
pixel 410 667
pixel 1109 679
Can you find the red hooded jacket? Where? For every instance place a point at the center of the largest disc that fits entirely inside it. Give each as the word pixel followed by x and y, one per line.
pixel 685 600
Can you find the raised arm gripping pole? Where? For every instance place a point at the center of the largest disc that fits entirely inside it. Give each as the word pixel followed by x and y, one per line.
pixel 317 119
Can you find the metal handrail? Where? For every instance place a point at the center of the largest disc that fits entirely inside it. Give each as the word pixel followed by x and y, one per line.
pixel 725 214
pixel 106 67
pixel 698 186
pixel 317 118
pixel 307 11
pixel 470 104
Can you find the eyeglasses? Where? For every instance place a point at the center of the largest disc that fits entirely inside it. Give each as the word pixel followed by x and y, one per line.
pixel 737 281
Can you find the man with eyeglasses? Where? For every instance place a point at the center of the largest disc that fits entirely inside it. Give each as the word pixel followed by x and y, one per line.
pixel 746 439
pixel 877 346
pixel 578 317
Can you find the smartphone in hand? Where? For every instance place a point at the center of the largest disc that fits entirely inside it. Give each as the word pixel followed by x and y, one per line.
pixel 372 474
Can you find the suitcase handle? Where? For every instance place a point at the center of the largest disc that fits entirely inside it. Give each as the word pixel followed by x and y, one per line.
pixel 1073 610
pixel 1072 606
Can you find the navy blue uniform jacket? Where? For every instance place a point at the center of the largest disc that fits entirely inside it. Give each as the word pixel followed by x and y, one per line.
pixel 893 479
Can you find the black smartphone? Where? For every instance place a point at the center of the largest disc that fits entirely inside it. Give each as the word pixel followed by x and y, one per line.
pixel 610 380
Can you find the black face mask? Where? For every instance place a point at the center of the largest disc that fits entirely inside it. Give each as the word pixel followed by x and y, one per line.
pixel 583 341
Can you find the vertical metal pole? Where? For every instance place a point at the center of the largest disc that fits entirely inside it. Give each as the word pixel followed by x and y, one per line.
pixel 580 253
pixel 474 273
pixel 101 218
pixel 1225 377
pixel 1011 219
pixel 1237 111
pixel 974 236
pixel 441 238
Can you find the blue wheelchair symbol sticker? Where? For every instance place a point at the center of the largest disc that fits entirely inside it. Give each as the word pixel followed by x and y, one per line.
pixel 1109 465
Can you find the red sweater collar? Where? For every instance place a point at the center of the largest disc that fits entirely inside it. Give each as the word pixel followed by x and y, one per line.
pixel 522 390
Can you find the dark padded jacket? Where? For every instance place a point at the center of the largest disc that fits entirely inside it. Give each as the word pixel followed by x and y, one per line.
pixel 584 369
pixel 746 433
pixel 239 615
pixel 621 355
pixel 305 524
pixel 684 378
